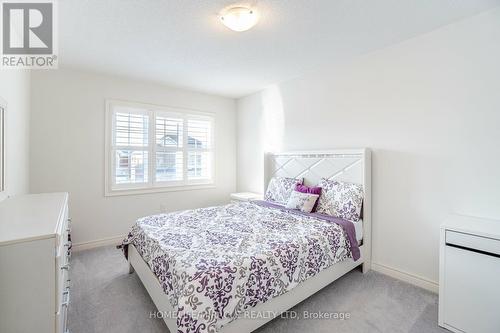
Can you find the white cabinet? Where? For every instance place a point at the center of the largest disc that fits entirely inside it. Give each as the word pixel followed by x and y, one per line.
pixel 469 288
pixel 34 263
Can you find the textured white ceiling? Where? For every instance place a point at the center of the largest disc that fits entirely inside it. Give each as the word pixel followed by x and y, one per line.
pixel 181 42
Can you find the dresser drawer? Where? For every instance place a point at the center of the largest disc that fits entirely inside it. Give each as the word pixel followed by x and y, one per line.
pixel 62 286
pixel 62 242
pixel 63 252
pixel 62 315
pixel 472 242
pixel 470 292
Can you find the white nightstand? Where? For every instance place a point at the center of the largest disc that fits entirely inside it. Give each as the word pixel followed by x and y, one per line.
pixel 469 293
pixel 245 196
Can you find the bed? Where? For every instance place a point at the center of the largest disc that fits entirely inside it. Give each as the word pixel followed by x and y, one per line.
pixel 232 268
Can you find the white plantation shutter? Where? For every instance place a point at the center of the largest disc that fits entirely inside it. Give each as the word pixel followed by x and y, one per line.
pixel 169 148
pixel 130 148
pixel 199 149
pixel 157 148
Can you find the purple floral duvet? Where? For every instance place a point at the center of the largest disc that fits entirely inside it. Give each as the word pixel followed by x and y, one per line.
pixel 215 263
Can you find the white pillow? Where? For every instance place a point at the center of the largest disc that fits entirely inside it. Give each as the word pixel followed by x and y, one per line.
pixel 340 199
pixel 280 188
pixel 302 201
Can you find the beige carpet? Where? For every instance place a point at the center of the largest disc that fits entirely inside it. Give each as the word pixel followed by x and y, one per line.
pixel 106 299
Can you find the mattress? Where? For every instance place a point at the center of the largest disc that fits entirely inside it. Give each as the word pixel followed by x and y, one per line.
pixel 215 263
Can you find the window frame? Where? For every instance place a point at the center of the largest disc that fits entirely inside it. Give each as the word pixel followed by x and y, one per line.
pixel 153 186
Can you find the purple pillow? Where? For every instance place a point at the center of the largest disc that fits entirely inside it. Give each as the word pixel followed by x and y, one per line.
pixel 309 189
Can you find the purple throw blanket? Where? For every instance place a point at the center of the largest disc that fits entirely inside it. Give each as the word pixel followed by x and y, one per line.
pixel 348 226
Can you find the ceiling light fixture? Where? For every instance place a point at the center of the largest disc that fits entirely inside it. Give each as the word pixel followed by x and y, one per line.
pixel 239 18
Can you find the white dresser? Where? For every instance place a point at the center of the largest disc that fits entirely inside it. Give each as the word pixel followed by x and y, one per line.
pixel 34 261
pixel 469 275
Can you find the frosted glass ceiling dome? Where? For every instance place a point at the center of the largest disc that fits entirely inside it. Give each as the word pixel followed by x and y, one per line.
pixel 239 18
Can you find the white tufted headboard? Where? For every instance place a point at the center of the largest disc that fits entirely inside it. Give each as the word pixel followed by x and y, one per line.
pixel 350 165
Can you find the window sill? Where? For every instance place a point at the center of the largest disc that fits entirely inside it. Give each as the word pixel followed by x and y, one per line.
pixel 137 191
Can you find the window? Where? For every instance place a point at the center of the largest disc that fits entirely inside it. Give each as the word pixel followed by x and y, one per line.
pixel 152 148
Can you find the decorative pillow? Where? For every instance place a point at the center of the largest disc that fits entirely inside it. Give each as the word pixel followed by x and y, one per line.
pixel 309 189
pixel 280 188
pixel 340 199
pixel 303 201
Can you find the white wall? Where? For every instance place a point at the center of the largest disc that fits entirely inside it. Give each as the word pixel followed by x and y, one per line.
pixel 67 141
pixel 430 110
pixel 15 91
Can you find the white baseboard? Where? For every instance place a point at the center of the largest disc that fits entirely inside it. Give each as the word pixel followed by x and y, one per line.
pixel 407 277
pixel 98 243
